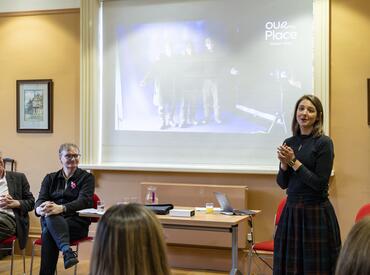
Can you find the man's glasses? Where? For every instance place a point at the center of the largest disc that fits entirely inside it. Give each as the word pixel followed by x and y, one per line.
pixel 72 156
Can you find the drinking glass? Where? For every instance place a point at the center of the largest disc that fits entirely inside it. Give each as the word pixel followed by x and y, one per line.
pixel 100 207
pixel 209 207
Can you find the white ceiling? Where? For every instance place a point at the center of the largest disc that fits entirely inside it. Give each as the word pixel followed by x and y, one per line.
pixel 32 5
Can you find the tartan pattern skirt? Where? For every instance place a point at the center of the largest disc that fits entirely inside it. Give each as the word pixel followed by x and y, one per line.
pixel 307 239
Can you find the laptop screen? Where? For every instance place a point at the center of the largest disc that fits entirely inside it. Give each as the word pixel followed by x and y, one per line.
pixel 224 202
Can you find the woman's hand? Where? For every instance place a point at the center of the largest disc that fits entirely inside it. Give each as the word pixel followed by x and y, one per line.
pixel 285 154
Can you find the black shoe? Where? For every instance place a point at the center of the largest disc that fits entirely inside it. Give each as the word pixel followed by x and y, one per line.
pixel 70 258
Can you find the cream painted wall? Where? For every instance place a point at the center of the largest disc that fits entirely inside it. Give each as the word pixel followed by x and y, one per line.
pixel 350 68
pixel 39 46
pixel 47 46
pixel 37 5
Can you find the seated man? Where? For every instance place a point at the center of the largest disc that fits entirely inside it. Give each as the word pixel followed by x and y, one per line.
pixel 62 193
pixel 16 201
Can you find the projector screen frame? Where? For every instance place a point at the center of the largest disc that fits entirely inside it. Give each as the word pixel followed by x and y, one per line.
pixel 91 94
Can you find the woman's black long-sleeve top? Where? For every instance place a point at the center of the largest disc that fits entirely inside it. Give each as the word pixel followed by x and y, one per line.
pixel 311 180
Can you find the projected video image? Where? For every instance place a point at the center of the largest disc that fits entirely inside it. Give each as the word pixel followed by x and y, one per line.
pixel 223 75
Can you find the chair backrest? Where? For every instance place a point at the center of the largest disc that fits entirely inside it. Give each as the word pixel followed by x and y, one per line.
pixel 9 162
pixel 364 211
pixel 95 205
pixel 279 210
pixel 95 200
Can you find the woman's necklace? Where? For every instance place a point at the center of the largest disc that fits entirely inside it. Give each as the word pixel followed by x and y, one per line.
pixel 302 141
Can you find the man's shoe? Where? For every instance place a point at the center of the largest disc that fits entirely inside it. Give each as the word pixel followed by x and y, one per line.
pixel 70 258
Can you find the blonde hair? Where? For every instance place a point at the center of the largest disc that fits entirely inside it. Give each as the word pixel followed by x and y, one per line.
pixel 129 241
pixel 354 258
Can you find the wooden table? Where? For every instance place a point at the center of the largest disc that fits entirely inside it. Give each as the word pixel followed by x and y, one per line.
pixel 209 222
pixel 204 222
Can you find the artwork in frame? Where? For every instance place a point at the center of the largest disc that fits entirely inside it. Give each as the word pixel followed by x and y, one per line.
pixel 35 106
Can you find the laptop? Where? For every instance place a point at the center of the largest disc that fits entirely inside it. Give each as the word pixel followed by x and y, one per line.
pixel 226 207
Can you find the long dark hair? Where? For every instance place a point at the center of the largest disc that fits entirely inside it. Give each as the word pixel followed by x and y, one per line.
pixel 129 240
pixel 318 129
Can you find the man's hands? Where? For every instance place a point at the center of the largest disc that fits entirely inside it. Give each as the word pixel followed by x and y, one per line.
pixel 7 201
pixel 49 208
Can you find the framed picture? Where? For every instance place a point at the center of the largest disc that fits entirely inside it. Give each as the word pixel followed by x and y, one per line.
pixel 35 106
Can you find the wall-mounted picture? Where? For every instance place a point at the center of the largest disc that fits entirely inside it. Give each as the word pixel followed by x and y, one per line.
pixel 35 106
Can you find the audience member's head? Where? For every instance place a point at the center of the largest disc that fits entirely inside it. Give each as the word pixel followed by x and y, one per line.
pixel 129 240
pixel 354 258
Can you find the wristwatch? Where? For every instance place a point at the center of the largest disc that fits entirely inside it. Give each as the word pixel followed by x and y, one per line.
pixel 292 162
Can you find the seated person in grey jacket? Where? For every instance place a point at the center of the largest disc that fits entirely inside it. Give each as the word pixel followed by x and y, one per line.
pixel 16 201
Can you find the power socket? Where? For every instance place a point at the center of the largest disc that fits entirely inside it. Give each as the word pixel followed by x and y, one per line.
pixel 249 237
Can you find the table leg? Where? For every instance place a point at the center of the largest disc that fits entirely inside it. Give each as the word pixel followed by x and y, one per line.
pixel 234 251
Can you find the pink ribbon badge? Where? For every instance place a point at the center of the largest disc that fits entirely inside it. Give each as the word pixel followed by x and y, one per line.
pixel 73 185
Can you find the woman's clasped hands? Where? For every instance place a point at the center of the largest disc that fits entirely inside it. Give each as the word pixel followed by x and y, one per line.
pixel 285 155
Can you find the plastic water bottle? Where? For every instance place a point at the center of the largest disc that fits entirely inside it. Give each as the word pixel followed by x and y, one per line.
pixel 151 195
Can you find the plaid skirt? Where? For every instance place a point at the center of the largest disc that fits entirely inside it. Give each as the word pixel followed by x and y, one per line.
pixel 307 239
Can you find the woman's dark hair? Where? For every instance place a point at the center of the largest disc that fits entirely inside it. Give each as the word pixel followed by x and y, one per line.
pixel 319 123
pixel 354 258
pixel 129 241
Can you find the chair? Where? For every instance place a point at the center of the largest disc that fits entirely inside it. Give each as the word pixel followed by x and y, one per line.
pixel 364 211
pixel 9 244
pixel 265 247
pixel 9 162
pixel 75 243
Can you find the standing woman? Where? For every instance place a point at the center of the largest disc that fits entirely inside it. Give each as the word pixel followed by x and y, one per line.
pixel 307 240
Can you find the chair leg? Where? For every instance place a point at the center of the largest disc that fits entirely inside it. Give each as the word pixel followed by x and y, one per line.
pixel 24 260
pixel 12 259
pixel 32 256
pixel 75 272
pixel 250 255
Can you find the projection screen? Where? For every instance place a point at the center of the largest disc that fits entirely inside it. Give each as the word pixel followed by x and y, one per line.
pixel 205 85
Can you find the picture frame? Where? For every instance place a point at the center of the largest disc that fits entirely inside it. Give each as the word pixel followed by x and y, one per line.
pixel 35 106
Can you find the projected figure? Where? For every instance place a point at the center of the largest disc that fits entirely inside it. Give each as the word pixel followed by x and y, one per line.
pixel 210 84
pixel 163 73
pixel 287 83
pixel 190 87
